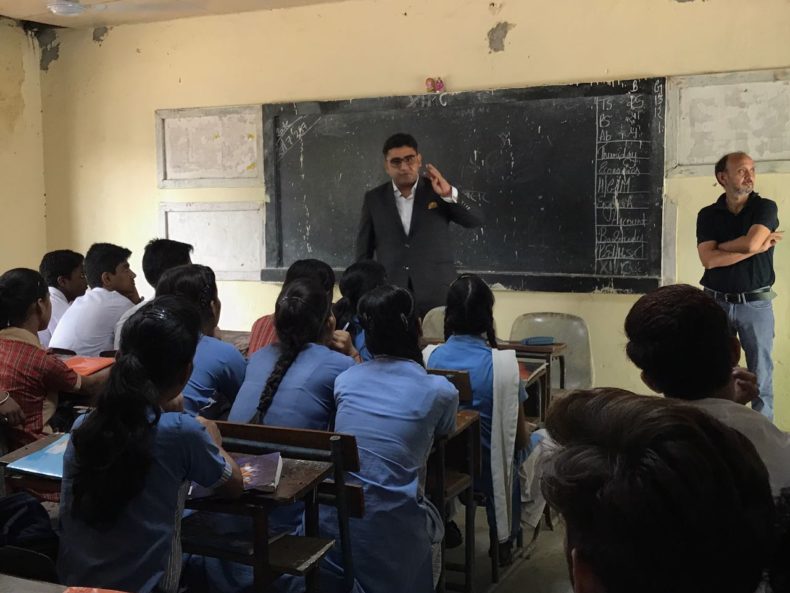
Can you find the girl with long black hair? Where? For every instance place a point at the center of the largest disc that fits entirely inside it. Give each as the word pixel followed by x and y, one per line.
pixel 358 279
pixel 127 466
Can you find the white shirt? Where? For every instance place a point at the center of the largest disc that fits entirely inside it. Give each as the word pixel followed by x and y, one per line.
pixel 59 306
pixel 88 327
pixel 772 444
pixel 119 326
pixel 405 205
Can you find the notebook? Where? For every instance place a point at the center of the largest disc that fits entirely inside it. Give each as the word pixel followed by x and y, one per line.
pixel 44 462
pixel 260 473
pixel 87 365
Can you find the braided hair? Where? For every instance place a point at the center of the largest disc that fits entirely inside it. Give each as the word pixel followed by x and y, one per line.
pixel 19 289
pixel 195 283
pixel 300 317
pixel 470 309
pixel 113 445
pixel 390 324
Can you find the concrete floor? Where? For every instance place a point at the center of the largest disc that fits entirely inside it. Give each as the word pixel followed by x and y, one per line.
pixel 545 571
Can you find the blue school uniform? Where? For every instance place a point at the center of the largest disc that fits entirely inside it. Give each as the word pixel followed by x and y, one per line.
pixel 305 398
pixel 218 367
pixel 394 409
pixel 473 354
pixel 359 339
pixel 138 551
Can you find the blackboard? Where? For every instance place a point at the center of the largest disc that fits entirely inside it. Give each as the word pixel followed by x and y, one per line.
pixel 570 179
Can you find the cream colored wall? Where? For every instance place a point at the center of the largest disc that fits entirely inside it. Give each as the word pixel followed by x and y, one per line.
pixel 23 233
pixel 99 103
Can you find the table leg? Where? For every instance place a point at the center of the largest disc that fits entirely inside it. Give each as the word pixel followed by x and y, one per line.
pixel 561 358
pixel 311 530
pixel 262 576
pixel 469 544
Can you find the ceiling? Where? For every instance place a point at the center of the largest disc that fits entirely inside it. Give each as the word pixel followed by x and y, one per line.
pixel 117 12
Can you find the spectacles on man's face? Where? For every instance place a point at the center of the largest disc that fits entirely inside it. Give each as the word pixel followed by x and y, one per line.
pixel 397 161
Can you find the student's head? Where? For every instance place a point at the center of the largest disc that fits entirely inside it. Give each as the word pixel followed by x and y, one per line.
pixel 107 266
pixel 112 446
pixel 470 309
pixel 390 323
pixel 656 496
pixel 303 314
pixel 359 278
pixel 312 269
pixel 196 284
pixel 402 159
pixel 63 269
pixel 735 173
pixel 162 254
pixel 680 339
pixel 24 299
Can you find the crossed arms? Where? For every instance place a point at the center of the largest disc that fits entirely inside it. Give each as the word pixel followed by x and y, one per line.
pixel 758 239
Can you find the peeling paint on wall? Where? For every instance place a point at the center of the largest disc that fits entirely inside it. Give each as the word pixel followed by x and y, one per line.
pixel 49 44
pixel 99 33
pixel 12 75
pixel 496 36
pixel 495 7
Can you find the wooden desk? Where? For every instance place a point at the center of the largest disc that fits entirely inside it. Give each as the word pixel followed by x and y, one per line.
pixel 532 373
pixel 9 584
pixel 16 481
pixel 544 353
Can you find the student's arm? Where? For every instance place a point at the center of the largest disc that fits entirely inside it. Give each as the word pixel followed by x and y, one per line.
pixel 366 237
pixel 10 412
pixel 231 376
pixel 91 385
pixel 233 487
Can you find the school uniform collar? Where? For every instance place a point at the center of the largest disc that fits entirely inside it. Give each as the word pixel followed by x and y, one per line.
pixel 17 334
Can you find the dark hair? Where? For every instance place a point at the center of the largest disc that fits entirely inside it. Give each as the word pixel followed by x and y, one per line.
pixel 398 140
pixel 101 258
pixel 390 324
pixel 470 309
pixel 193 282
pixel 299 318
pixel 721 164
pixel 314 269
pixel 359 278
pixel 162 254
pixel 19 288
pixel 657 495
pixel 680 338
pixel 59 263
pixel 113 445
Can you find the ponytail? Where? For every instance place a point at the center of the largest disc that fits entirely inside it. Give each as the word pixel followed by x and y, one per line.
pixel 113 445
pixel 300 316
pixel 390 324
pixel 470 309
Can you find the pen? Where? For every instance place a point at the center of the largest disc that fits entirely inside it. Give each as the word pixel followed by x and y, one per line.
pixel 345 327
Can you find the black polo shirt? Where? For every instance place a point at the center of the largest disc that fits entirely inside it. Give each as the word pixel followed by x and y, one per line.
pixel 716 223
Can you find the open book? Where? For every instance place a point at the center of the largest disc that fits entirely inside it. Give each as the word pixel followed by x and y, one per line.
pixel 260 473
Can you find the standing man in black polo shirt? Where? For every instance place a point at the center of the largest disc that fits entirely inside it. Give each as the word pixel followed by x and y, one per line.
pixel 735 241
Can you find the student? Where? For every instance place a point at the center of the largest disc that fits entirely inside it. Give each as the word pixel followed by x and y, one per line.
pixel 33 378
pixel 218 369
pixel 497 394
pixel 159 255
pixel 263 330
pixel 88 327
pixel 657 496
pixel 394 409
pixel 680 338
pixel 126 469
pixel 64 273
pixel 358 279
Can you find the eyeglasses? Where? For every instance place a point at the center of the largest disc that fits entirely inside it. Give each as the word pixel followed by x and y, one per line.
pixel 398 161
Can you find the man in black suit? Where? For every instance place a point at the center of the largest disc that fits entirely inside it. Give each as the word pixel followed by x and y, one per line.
pixel 405 222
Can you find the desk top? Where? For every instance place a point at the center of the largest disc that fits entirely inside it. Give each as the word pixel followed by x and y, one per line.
pixel 530 349
pixel 9 584
pixel 463 420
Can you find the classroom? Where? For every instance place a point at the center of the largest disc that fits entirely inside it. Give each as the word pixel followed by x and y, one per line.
pixel 78 141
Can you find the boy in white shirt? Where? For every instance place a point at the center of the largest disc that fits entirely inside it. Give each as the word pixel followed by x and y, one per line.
pixel 64 273
pixel 88 327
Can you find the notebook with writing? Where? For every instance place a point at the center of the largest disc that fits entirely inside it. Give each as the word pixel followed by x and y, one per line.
pixel 87 365
pixel 260 473
pixel 44 462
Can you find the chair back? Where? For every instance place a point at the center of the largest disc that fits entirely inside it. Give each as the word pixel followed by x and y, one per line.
pixel 459 379
pixel 433 324
pixel 564 328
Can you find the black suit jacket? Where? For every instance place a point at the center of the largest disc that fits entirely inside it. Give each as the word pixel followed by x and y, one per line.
pixel 424 259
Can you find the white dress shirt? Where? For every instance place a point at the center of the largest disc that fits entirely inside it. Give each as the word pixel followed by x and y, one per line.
pixel 59 306
pixel 88 327
pixel 405 204
pixel 119 326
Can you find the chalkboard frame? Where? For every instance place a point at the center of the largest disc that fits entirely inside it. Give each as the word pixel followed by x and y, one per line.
pixel 516 280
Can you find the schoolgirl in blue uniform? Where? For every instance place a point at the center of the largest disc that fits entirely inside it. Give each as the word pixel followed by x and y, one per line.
pixel 218 366
pixel 359 278
pixel 129 461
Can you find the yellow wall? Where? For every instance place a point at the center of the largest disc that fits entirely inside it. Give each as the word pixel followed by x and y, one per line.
pixel 99 103
pixel 22 235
